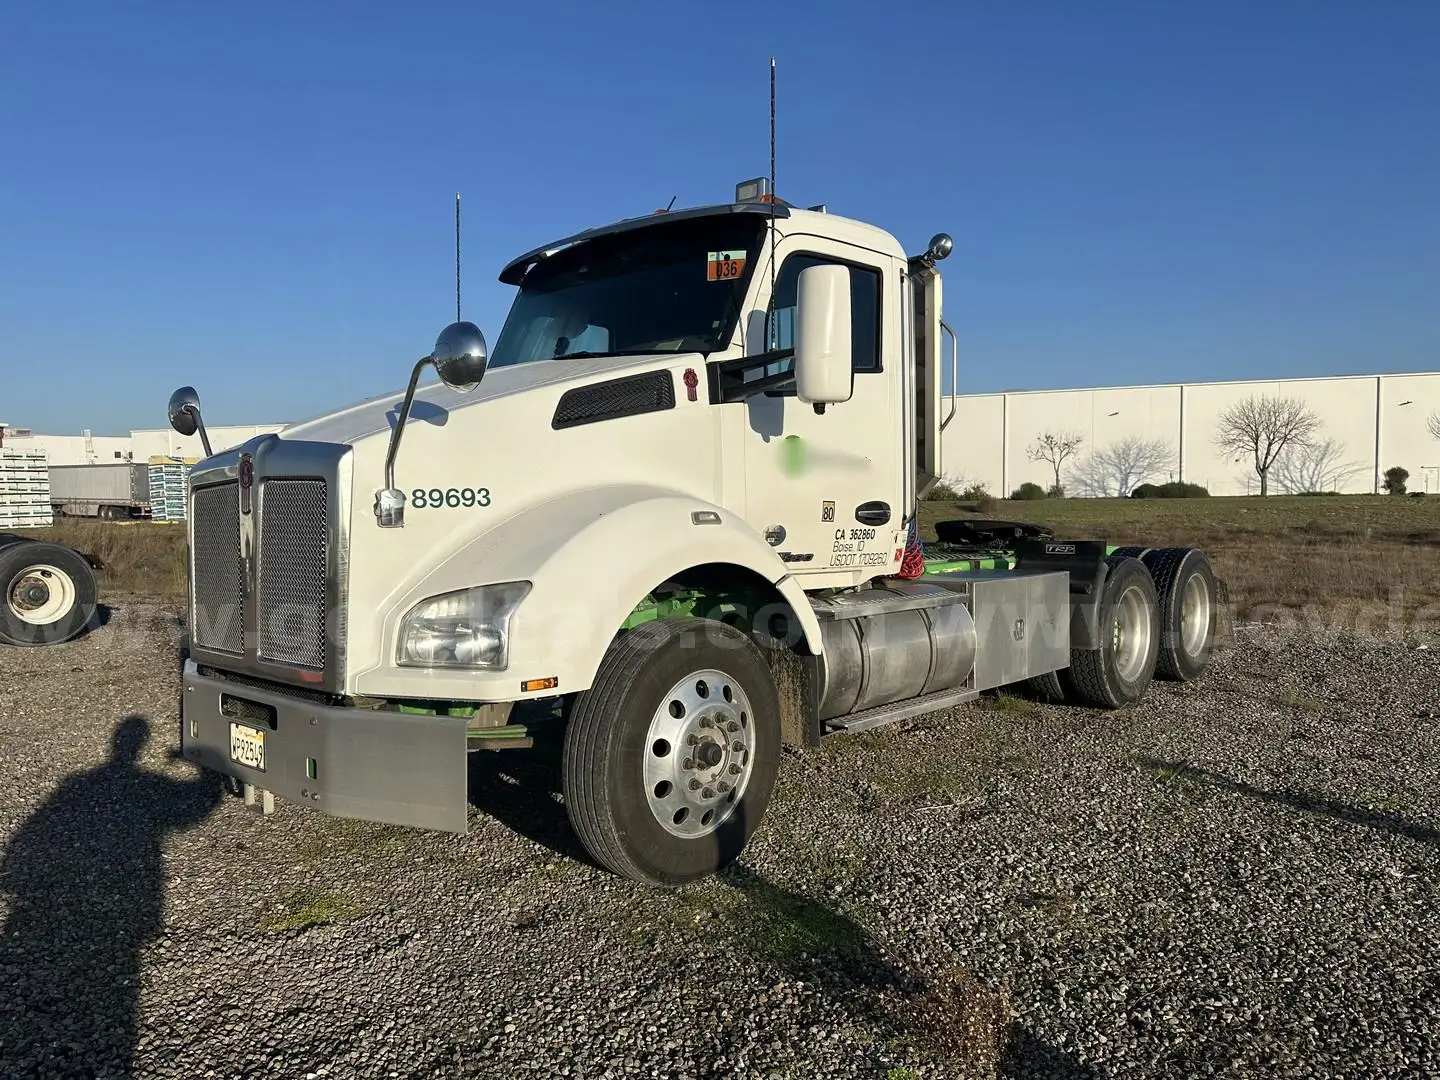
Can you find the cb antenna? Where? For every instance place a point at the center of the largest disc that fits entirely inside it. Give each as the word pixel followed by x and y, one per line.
pixel 774 330
pixel 457 256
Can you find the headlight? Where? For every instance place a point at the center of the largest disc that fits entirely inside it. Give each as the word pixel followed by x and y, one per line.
pixel 465 629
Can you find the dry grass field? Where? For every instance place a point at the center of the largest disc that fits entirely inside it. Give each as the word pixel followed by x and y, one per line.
pixel 1346 560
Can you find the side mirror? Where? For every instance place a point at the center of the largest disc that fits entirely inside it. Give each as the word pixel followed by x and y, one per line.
pixel 823 372
pixel 184 410
pixel 460 356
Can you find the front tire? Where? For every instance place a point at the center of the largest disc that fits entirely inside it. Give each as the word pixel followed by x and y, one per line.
pixel 670 757
pixel 1119 672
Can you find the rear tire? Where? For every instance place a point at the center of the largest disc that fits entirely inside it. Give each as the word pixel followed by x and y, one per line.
pixel 47 593
pixel 1119 672
pixel 1047 687
pixel 647 802
pixel 1189 611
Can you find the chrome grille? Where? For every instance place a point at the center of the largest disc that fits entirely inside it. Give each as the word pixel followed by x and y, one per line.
pixel 291 592
pixel 218 605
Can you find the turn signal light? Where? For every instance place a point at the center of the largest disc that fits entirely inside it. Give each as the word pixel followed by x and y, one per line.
pixel 529 686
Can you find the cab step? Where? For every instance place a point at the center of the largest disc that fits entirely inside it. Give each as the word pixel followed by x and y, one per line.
pixel 896 711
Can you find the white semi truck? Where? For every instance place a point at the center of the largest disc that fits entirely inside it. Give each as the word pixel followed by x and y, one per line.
pixel 668 511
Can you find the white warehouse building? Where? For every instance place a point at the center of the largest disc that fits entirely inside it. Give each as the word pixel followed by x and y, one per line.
pixel 139 446
pixel 1368 423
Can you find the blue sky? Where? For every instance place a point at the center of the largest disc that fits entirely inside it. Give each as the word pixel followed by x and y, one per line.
pixel 257 198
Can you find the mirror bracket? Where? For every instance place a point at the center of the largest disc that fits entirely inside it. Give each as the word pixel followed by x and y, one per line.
pixel 390 501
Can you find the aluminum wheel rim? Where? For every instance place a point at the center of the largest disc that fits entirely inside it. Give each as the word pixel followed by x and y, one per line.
pixel 699 754
pixel 1131 633
pixel 1194 615
pixel 40 595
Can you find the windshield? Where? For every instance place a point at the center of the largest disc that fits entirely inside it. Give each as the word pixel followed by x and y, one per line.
pixel 671 287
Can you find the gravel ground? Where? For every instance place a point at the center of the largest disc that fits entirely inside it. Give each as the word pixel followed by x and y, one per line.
pixel 1234 879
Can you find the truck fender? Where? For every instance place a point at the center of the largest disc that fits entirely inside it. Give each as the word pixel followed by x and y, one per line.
pixel 591 557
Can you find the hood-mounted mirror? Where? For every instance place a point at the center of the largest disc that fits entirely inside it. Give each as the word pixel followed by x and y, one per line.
pixel 184 412
pixel 460 358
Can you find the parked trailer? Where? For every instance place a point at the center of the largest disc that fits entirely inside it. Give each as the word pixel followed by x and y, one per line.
pixel 675 513
pixel 111 492
pixel 49 591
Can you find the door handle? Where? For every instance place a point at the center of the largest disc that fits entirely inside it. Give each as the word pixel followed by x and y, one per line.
pixel 873 513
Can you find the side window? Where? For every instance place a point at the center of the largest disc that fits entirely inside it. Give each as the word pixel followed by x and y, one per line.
pixel 864 309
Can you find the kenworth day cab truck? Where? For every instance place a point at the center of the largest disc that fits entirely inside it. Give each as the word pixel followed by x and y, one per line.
pixel 668 511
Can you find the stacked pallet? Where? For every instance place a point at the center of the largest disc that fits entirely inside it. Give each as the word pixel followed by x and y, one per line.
pixel 169 485
pixel 25 490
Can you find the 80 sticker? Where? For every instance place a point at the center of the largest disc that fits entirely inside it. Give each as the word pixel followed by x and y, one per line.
pixel 449 498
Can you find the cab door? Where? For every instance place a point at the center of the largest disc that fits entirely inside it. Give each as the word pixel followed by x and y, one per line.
pixel 825 488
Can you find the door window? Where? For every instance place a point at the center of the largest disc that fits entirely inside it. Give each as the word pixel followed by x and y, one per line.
pixel 864 309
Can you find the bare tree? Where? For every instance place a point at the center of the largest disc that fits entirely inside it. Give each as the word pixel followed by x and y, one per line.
pixel 1261 427
pixel 1122 466
pixel 1432 424
pixel 1055 449
pixel 1314 466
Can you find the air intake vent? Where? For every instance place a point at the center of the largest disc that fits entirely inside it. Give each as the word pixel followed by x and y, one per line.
pixel 630 396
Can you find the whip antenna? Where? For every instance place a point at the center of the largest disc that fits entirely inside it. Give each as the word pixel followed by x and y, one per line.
pixel 457 256
pixel 774 330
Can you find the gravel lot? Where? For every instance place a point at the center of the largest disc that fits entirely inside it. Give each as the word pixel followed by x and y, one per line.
pixel 1236 879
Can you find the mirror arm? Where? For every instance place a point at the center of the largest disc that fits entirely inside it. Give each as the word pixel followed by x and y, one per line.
pixel 194 411
pixel 400 421
pixel 390 502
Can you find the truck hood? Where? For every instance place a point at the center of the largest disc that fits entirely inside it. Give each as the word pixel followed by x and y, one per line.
pixel 435 402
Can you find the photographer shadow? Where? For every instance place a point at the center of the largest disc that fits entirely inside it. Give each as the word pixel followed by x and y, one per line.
pixel 85 880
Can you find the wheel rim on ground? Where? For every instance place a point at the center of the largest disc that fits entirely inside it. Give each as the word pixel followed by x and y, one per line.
pixel 1194 615
pixel 699 754
pixel 1131 634
pixel 40 595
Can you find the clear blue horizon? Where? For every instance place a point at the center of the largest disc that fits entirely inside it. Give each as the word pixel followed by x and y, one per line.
pixel 258 201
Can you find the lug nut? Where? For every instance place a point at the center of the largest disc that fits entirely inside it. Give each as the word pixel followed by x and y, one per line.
pixel 732 727
pixel 707 794
pixel 690 739
pixel 694 785
pixel 705 722
pixel 722 787
pixel 734 770
pixel 688 763
pixel 738 746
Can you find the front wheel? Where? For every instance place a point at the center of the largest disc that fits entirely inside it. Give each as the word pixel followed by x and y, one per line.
pixel 670 757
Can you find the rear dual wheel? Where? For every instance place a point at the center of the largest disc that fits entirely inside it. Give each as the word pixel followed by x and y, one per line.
pixel 1190 609
pixel 1119 671
pixel 670 757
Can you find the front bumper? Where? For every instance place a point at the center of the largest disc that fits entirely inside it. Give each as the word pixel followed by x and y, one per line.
pixel 355 763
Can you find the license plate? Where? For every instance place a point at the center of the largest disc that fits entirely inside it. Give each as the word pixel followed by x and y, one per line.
pixel 247 746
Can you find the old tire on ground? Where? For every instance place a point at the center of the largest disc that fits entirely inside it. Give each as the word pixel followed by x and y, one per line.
pixel 47 593
pixel 1189 611
pixel 670 758
pixel 1119 672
